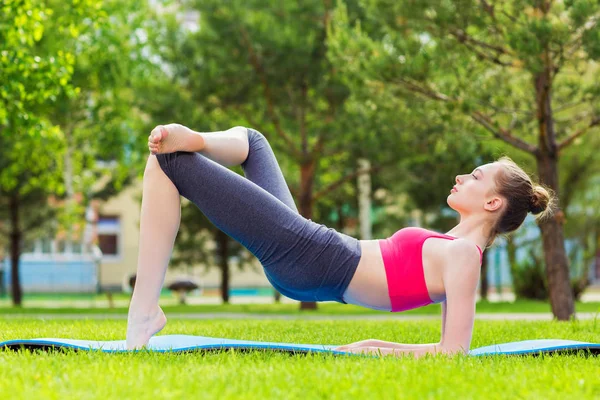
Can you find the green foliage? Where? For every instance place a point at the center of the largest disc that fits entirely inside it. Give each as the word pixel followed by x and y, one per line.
pixel 67 91
pixel 529 278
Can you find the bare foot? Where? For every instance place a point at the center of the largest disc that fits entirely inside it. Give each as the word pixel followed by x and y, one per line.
pixel 140 328
pixel 174 137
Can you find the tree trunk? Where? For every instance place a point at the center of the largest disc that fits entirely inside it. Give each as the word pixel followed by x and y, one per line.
pixel 307 176
pixel 15 251
pixel 223 242
pixel 557 266
pixel 557 263
pixel 597 259
pixel 484 284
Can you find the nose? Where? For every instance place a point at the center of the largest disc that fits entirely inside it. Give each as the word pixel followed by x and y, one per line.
pixel 458 179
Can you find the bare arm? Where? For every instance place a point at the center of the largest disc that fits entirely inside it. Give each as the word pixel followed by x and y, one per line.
pixel 382 343
pixel 458 313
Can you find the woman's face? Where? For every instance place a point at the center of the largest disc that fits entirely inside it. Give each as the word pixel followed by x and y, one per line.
pixel 475 192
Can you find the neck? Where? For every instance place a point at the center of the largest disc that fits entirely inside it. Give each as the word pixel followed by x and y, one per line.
pixel 472 228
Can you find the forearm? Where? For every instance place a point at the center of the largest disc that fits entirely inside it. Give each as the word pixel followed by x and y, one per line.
pixel 228 148
pixel 417 352
pixel 401 346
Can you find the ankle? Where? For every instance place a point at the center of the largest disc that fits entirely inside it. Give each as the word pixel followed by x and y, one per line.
pixel 195 142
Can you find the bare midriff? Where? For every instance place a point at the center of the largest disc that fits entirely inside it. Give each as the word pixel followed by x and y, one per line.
pixel 368 286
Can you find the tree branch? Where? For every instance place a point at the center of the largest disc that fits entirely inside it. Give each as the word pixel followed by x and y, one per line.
pixel 488 8
pixel 425 91
pixel 481 118
pixel 318 147
pixel 464 38
pixel 501 133
pixel 571 138
pixel 267 91
pixel 487 57
pixel 589 24
pixel 567 106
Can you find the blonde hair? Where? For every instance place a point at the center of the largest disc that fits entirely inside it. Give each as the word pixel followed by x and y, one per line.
pixel 521 195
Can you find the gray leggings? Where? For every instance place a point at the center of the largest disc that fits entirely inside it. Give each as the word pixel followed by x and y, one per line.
pixel 302 259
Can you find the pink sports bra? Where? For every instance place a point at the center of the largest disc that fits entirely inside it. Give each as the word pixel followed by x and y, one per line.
pixel 403 260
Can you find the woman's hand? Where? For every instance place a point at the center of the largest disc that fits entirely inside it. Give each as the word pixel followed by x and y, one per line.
pixel 378 347
pixel 356 345
pixel 374 350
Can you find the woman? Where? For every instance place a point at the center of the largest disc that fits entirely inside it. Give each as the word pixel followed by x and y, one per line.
pixel 307 261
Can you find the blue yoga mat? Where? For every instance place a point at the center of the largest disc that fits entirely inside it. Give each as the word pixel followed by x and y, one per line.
pixel 186 343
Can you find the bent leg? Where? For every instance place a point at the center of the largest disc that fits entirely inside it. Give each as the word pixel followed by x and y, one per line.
pixel 159 222
pixel 250 149
pixel 299 256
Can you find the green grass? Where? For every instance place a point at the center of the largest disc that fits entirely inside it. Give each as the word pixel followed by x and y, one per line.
pixel 258 375
pixel 520 306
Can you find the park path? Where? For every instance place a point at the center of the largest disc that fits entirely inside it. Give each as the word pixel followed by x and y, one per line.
pixel 227 315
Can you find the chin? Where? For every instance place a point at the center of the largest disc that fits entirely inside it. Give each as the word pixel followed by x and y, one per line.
pixel 451 203
pixel 455 205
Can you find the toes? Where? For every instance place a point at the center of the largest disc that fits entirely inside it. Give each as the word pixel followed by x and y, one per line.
pixel 156 134
pixel 163 131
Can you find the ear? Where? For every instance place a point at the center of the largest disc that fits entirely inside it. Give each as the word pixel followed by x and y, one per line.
pixel 493 204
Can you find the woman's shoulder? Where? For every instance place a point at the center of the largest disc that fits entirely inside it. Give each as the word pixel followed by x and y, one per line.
pixel 462 251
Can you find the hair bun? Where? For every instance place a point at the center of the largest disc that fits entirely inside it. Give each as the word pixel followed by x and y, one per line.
pixel 539 200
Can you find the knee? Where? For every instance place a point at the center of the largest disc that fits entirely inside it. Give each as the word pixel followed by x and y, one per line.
pixel 241 130
pixel 152 165
pixel 255 136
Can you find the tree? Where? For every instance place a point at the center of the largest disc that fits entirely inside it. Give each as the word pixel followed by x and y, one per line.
pixel 31 77
pixel 516 70
pixel 70 105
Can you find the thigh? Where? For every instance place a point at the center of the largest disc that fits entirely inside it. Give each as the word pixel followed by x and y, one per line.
pixel 262 168
pixel 243 210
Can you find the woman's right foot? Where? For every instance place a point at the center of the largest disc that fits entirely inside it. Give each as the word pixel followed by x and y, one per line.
pixel 140 328
pixel 174 137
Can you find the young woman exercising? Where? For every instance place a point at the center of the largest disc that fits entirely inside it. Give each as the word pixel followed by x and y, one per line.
pixel 308 261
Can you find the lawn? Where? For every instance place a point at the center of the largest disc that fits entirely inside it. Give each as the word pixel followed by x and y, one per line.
pixel 329 308
pixel 258 375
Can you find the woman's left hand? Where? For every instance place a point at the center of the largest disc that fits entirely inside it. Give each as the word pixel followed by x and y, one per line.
pixel 355 345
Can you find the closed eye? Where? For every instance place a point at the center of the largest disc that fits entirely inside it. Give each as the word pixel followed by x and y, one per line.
pixel 473 175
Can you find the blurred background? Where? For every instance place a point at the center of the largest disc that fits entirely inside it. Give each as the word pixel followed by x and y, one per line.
pixel 371 106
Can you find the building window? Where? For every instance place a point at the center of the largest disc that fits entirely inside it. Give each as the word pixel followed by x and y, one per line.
pixel 109 235
pixel 108 244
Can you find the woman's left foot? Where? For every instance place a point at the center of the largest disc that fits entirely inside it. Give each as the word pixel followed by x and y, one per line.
pixel 174 137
